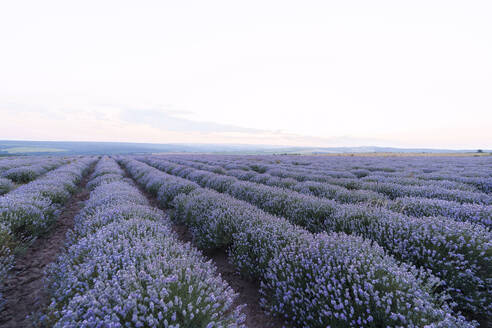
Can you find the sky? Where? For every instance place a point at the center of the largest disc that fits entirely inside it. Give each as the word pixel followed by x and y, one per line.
pixel 302 73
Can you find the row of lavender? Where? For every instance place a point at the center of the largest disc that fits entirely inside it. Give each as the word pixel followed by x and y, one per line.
pixel 21 170
pixel 459 253
pixel 311 280
pixel 29 210
pixel 412 206
pixel 471 171
pixel 404 181
pixel 467 174
pixel 26 173
pixel 446 190
pixel 12 162
pixel 123 267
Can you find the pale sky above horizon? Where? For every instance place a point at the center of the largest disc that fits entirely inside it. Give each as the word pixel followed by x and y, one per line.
pixel 305 73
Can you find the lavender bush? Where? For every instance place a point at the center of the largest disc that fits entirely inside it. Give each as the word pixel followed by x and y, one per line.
pixel 258 240
pixel 458 252
pixel 413 206
pixel 403 186
pixel 32 208
pixel 314 188
pixel 24 161
pixel 164 189
pixel 24 174
pixel 125 268
pixel 133 273
pixel 29 210
pixel 420 207
pixel 345 281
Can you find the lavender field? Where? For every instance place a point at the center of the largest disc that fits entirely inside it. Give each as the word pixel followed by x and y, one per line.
pixel 246 241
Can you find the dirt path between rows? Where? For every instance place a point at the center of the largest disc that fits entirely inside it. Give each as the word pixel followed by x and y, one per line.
pixel 25 287
pixel 247 290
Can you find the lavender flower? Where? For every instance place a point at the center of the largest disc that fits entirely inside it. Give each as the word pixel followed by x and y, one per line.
pixel 458 252
pixel 272 250
pixel 125 268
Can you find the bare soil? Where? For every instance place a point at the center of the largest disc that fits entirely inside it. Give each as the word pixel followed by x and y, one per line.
pixel 247 290
pixel 25 291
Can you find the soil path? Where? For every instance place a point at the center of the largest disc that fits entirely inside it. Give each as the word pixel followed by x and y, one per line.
pixel 25 287
pixel 247 290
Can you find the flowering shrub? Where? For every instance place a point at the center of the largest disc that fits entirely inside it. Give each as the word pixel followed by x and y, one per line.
pixel 27 214
pixel 102 179
pixel 338 280
pixel 458 252
pixel 211 218
pixel 125 268
pixel 302 209
pixel 454 188
pixel 12 162
pixel 338 193
pixel 314 188
pixel 164 186
pixel 259 241
pixel 29 210
pixel 217 220
pixel 394 190
pixel 143 176
pixel 133 273
pixel 106 166
pixel 272 249
pixel 411 181
pixel 24 174
pixel 32 208
pixel 483 183
pixel 419 207
pixel 393 186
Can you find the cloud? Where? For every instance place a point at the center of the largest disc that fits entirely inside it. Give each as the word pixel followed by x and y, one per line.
pixel 169 120
pixel 160 125
pixel 169 125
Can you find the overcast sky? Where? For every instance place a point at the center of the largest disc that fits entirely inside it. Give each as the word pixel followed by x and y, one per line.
pixel 315 73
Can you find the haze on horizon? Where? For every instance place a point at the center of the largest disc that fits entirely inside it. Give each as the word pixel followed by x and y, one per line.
pixel 310 73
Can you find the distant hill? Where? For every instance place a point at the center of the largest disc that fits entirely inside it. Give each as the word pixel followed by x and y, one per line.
pixel 17 147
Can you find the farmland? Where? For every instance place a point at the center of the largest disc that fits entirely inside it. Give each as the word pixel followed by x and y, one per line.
pixel 246 241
